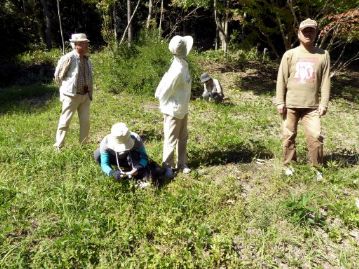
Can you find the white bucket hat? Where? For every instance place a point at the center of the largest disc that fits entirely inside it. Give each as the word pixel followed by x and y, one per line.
pixel 79 38
pixel 180 45
pixel 120 138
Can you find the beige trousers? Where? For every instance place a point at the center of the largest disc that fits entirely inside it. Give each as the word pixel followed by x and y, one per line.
pixel 175 136
pixel 71 104
pixel 312 130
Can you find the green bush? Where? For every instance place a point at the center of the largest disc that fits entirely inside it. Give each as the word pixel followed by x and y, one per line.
pixel 137 69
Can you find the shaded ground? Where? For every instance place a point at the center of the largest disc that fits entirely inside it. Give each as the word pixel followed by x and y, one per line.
pixel 260 78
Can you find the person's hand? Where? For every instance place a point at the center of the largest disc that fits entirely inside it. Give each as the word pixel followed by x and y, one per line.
pixel 281 109
pixel 322 110
pixel 132 173
pixel 116 174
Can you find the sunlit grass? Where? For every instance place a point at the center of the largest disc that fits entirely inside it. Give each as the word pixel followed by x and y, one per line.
pixel 236 209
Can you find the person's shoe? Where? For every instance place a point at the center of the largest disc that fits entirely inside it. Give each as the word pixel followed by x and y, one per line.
pixel 57 148
pixel 185 169
pixel 319 175
pixel 169 172
pixel 289 171
pixel 143 184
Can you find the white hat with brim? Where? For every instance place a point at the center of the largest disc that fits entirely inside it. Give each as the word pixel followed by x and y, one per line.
pixel 120 139
pixel 180 45
pixel 79 38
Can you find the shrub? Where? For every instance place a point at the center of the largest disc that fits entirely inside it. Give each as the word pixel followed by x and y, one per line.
pixel 137 69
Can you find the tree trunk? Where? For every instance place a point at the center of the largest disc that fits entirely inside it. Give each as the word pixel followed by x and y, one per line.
pixel 215 20
pixel 129 22
pixel 48 39
pixel 160 24
pixel 24 6
pixel 222 26
pixel 114 14
pixel 60 24
pixel 148 22
pixel 129 30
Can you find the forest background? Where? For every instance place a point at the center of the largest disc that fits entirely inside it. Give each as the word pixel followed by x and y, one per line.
pixel 236 209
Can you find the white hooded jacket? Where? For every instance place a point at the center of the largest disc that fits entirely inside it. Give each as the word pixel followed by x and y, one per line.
pixel 174 89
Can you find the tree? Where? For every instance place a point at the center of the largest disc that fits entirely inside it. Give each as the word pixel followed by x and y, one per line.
pixel 340 30
pixel 60 24
pixel 129 22
pixel 48 22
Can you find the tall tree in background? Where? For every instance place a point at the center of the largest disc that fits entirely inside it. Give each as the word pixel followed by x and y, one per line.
pixel 149 16
pixel 48 22
pixel 60 25
pixel 161 18
pixel 129 24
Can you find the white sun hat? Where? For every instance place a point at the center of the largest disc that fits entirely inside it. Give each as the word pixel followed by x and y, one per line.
pixel 180 45
pixel 79 38
pixel 120 139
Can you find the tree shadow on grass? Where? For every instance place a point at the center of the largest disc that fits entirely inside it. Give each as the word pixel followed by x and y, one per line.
pixel 26 98
pixel 346 86
pixel 150 135
pixel 12 72
pixel 344 158
pixel 260 78
pixel 235 153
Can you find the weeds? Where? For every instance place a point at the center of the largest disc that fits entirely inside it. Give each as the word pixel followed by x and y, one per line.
pixel 236 209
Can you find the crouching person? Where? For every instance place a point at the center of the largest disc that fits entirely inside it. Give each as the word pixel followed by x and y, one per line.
pixel 212 89
pixel 122 154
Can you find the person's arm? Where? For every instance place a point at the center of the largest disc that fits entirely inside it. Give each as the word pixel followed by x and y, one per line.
pixel 62 68
pixel 143 156
pixel 105 163
pixel 325 86
pixel 282 80
pixel 218 87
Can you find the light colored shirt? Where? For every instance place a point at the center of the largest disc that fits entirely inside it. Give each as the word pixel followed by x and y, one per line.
pixel 174 89
pixel 214 87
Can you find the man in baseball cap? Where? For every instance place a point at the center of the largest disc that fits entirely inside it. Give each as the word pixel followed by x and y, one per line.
pixel 303 88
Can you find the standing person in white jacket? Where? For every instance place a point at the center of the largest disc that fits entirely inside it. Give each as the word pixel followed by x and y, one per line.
pixel 173 93
pixel 74 74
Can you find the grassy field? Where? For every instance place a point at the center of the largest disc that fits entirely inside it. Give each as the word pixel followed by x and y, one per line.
pixel 235 210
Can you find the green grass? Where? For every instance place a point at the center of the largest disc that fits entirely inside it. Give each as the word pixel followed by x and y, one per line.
pixel 57 210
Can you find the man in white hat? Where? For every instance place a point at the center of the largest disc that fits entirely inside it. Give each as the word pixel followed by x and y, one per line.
pixel 212 88
pixel 303 76
pixel 173 93
pixel 74 74
pixel 125 151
